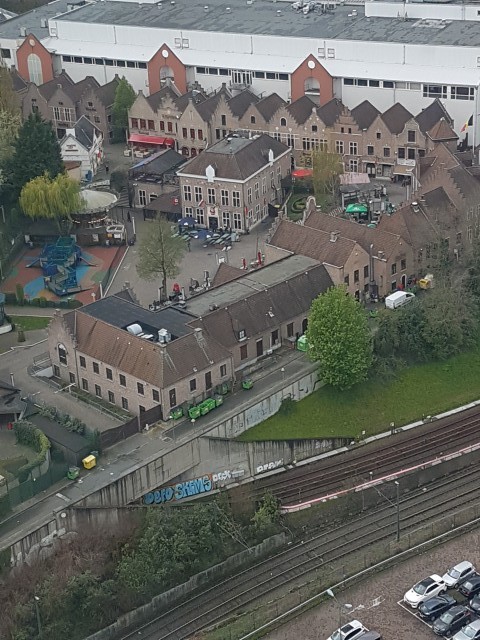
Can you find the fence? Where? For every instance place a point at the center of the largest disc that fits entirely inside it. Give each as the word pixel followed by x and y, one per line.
pixel 30 488
pixel 117 434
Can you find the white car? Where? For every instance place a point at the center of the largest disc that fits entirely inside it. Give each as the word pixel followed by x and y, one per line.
pixel 470 632
pixel 457 574
pixel 424 590
pixel 349 631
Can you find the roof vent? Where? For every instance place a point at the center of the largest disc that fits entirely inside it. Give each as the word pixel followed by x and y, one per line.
pixel 43 23
pixel 164 336
pixel 279 12
pixel 23 32
pixel 334 236
pixel 135 329
pixel 205 8
pixel 228 10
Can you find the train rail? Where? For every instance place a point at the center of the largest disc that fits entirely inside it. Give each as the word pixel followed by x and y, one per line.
pixel 294 564
pixel 367 462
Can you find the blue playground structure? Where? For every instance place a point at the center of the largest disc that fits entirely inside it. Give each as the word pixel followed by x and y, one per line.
pixel 58 262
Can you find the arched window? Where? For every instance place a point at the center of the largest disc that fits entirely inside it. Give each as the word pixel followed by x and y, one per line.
pixel 62 354
pixel 283 122
pixel 185 151
pixel 166 73
pixel 193 152
pixel 35 69
pixel 252 120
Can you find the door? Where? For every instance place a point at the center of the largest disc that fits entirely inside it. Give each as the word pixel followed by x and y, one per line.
pixel 259 348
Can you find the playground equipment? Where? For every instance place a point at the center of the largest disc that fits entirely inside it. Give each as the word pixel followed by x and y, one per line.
pixel 58 262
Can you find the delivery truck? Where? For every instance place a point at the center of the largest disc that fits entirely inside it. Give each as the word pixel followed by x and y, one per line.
pixel 398 299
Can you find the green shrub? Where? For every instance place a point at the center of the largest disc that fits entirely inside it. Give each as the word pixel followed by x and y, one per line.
pixel 29 435
pixel 287 406
pixel 74 304
pixel 10 298
pixel 35 302
pixel 42 301
pixel 20 294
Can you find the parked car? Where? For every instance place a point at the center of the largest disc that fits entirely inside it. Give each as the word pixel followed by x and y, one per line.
pixel 452 620
pixel 424 590
pixel 470 587
pixel 470 632
pixel 433 608
pixel 474 604
pixel 370 635
pixel 350 631
pixel 457 574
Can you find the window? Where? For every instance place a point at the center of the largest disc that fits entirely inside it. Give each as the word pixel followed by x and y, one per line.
pixel 434 91
pixel 224 72
pixel 111 397
pixel 339 146
pixel 35 72
pixel 346 280
pixel 236 198
pixel 224 196
pixel 224 120
pixel 361 82
pixel 141 409
pixel 226 219
pixel 201 70
pixel 356 276
pixel 403 264
pixel 401 152
pixel 223 370
pixel 252 120
pixel 353 165
pixel 108 63
pixel 162 125
pixel 62 354
pixel 283 122
pixel 274 337
pixel 98 391
pixel 140 389
pixel 211 195
pixel 64 58
pixel 257 190
pixel 379 135
pixel 394 268
pixel 330 53
pixel 348 81
pixel 71 378
pixel 170 127
pixel 120 63
pixel 459 238
pixel 192 134
pixel 187 193
pixel 462 93
pixel 244 352
pixel 143 123
pixel 193 384
pixel 365 271
pixel 84 384
pixel 259 348
pixel 353 148
pixel 96 367
pixel 172 397
pixel 200 134
pixel 237 220
pixel 370 150
pixel 142 197
pixel 123 381
pixel 386 152
pixel 388 84
pixel 249 192
pixel 155 395
pixel 134 123
pixel 198 192
pixel 411 136
pixel 264 187
pixel 411 154
pixel 374 83
pixel 125 404
pixel 83 362
pixel 109 373
pixel 290 330
pixel 151 125
pixel 208 380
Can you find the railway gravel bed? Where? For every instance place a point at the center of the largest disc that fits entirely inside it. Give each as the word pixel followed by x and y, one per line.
pixel 291 567
pixel 397 452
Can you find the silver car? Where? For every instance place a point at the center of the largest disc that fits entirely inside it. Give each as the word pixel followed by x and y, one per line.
pixel 470 632
pixel 457 574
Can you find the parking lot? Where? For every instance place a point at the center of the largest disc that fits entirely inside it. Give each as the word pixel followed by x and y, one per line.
pixel 376 601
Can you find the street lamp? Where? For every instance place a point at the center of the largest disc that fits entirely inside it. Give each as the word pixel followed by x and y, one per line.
pixel 36 600
pixel 397 484
pixel 341 607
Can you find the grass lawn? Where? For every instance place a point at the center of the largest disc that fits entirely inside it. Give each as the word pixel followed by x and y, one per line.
pixel 30 323
pixel 421 390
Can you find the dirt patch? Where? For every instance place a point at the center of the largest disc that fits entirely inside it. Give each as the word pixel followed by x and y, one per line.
pixel 388 618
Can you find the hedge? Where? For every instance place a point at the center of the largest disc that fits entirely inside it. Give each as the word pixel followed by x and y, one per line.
pixel 30 436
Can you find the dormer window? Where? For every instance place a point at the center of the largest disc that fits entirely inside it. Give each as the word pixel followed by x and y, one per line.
pixel 242 334
pixel 283 122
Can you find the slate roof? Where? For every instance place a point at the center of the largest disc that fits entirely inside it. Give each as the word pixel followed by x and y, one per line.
pixel 431 115
pixel 194 95
pixel 240 103
pixel 47 89
pixel 396 118
pixel 266 310
pixel 312 243
pixel 164 161
pixel 78 89
pixel 269 105
pixel 207 107
pixel 156 99
pixel 360 233
pixel 18 82
pixel 85 132
pixel 364 114
pixel 330 112
pixel 235 158
pixel 301 109
pixel 442 131
pixel 166 203
pixel 10 399
pixel 106 92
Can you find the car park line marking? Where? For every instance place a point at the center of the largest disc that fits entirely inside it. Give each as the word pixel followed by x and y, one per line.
pixel 414 614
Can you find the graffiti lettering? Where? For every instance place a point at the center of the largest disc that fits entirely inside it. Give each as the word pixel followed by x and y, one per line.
pixel 179 491
pixel 269 466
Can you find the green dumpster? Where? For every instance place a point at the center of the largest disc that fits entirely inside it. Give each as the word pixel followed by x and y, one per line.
pixel 223 388
pixel 207 405
pixel 73 473
pixel 194 412
pixel 247 384
pixel 218 400
pixel 302 344
pixel 176 412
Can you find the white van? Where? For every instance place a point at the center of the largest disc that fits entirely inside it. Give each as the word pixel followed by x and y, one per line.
pixel 398 299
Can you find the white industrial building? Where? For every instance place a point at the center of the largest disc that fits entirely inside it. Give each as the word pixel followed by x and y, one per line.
pixel 386 52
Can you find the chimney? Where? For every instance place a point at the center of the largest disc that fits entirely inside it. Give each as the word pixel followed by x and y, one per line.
pixel 334 236
pixel 199 335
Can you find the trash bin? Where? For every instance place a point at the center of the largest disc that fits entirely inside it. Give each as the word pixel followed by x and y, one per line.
pixel 73 473
pixel 89 462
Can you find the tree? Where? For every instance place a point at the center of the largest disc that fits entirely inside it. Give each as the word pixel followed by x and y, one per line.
pixel 160 253
pixel 10 118
pixel 37 151
pixel 52 198
pixel 327 169
pixel 339 338
pixel 124 98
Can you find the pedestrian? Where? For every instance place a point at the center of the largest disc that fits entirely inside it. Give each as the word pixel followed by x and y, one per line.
pixel 107 168
pixel 188 245
pixel 129 217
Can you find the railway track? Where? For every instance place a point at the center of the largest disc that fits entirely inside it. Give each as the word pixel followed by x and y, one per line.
pixel 370 461
pixel 294 564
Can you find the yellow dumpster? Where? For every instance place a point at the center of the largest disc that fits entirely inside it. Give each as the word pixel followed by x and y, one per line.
pixel 89 462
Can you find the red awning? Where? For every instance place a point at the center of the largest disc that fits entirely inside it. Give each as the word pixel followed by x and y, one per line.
pixel 302 173
pixel 140 139
pixel 170 142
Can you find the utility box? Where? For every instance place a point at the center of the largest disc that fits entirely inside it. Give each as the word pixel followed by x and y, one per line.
pixel 89 462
